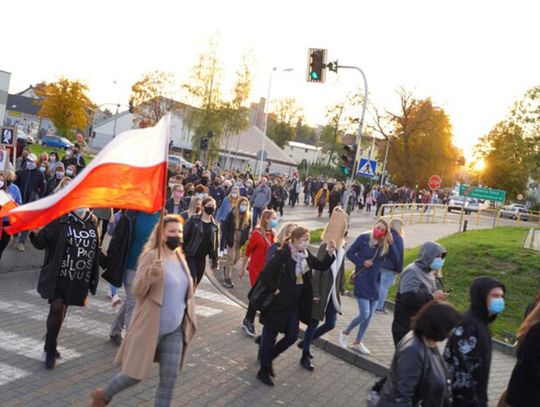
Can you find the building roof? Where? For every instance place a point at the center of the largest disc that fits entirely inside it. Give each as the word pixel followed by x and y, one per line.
pixel 249 142
pixel 303 145
pixel 22 104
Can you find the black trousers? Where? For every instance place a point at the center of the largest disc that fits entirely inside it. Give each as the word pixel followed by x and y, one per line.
pixel 4 241
pixel 196 268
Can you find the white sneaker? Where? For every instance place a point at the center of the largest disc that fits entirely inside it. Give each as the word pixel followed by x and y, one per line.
pixel 225 252
pixel 343 339
pixel 20 247
pixel 362 349
pixel 116 300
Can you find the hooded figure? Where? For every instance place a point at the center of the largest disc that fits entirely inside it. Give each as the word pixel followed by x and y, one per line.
pixel 468 350
pixel 416 287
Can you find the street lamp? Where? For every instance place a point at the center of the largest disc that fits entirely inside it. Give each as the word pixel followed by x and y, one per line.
pixel 117 109
pixel 267 112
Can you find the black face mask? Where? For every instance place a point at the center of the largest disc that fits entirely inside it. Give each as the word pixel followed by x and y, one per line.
pixel 204 180
pixel 189 193
pixel 209 210
pixel 173 242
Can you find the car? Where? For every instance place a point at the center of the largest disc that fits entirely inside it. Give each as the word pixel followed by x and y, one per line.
pixel 174 160
pixel 474 205
pixel 515 211
pixel 56 142
pixel 456 202
pixel 26 137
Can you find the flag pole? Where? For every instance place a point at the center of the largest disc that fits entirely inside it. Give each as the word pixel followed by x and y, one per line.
pixel 162 210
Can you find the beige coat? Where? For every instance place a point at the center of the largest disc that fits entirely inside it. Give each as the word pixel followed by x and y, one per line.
pixel 138 350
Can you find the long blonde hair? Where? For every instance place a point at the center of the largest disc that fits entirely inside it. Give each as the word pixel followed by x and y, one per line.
pixel 242 219
pixel 284 231
pixel 193 203
pixel 385 244
pixel 397 225
pixel 532 318
pixel 153 241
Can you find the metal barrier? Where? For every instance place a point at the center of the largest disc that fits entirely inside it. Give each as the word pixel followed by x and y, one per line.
pixel 532 216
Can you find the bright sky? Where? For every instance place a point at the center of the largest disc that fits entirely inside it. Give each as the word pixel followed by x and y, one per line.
pixel 474 58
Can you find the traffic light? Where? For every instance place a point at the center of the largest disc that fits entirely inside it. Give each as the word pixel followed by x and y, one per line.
pixel 348 157
pixel 316 66
pixel 205 141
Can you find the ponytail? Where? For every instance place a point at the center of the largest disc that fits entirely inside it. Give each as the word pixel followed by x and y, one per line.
pixel 296 233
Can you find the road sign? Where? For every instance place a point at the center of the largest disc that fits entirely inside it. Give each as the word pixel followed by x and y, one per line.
pixel 519 197
pixel 488 194
pixel 434 182
pixel 367 167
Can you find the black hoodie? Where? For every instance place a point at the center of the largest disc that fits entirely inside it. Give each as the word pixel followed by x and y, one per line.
pixel 468 351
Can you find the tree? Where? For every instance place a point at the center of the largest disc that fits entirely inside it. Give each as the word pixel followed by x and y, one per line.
pixel 333 130
pixel 282 121
pixel 152 96
pixel 66 104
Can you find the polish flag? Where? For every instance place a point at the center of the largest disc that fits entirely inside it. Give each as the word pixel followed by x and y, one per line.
pixel 6 204
pixel 129 173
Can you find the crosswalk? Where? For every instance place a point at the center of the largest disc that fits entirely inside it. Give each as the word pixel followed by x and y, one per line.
pixel 28 309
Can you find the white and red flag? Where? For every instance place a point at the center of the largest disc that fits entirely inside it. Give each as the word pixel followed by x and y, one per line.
pixel 130 173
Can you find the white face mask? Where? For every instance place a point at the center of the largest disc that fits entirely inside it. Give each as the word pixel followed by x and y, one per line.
pixel 1 184
pixel 303 245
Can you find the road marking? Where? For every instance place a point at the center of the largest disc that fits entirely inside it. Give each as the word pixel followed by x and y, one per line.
pixel 103 306
pixel 30 347
pixel 206 311
pixel 208 295
pixel 11 373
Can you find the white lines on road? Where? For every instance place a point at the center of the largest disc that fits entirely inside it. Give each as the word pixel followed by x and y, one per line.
pixel 208 295
pixel 10 373
pixel 206 311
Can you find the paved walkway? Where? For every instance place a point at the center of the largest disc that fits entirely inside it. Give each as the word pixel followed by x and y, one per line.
pixel 220 370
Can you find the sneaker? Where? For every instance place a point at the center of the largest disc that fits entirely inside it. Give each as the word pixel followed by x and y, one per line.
pixel 343 339
pixel 20 247
pixel 228 283
pixel 220 254
pixel 116 300
pixel 362 349
pixel 264 376
pixel 249 328
pixel 381 311
pixel 224 252
pixel 98 398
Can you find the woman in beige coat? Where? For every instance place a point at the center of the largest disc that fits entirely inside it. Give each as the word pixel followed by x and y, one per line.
pixel 163 322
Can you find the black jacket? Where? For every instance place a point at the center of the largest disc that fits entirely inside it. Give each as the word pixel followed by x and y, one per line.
pixel 32 185
pixel 468 350
pixel 53 239
pixel 193 232
pixel 51 185
pixel 417 375
pixel 182 206
pixel 229 228
pixel 524 386
pixel 279 272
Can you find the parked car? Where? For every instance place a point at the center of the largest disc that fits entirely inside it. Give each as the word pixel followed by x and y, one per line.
pixel 56 142
pixel 26 137
pixel 474 205
pixel 456 202
pixel 174 160
pixel 515 211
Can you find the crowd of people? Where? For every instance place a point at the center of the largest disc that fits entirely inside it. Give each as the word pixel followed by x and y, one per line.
pixel 223 217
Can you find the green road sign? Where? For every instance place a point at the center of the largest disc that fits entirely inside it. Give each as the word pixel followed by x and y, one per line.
pixel 488 194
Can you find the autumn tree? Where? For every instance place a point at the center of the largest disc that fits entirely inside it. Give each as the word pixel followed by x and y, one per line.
pixel 66 104
pixel 282 121
pixel 152 97
pixel 333 130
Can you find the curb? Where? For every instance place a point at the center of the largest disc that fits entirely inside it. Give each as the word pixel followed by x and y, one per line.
pixel 353 358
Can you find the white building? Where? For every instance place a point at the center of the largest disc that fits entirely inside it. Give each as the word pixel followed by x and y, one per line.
pixel 300 152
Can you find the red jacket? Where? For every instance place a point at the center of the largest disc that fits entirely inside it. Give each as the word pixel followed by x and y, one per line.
pixel 256 249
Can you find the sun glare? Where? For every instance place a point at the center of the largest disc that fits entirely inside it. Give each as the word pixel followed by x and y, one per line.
pixel 479 165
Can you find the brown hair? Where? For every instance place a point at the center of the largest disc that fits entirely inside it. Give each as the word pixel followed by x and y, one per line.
pixel 208 199
pixel 296 234
pixel 265 216
pixel 153 240
pixel 530 320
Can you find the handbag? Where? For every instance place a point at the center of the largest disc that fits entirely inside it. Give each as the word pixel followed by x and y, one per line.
pixel 260 296
pixel 352 277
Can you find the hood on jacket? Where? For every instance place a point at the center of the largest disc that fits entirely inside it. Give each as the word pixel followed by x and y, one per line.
pixel 428 252
pixel 479 291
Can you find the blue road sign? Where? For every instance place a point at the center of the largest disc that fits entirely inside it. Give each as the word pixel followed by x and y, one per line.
pixel 367 167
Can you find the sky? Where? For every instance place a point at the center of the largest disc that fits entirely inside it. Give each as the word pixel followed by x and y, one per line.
pixel 473 58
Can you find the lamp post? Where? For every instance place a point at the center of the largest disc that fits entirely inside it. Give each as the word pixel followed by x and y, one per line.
pixel 267 111
pixel 117 109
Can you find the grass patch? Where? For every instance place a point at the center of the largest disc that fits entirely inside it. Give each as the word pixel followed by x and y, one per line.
pixel 315 235
pixel 37 149
pixel 497 253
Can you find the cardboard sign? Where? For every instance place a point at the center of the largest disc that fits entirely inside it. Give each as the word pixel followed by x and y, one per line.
pixel 336 228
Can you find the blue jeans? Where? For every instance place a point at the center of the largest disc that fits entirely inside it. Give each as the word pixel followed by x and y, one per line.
pixel 387 280
pixel 366 308
pixel 256 214
pixel 114 290
pixel 315 331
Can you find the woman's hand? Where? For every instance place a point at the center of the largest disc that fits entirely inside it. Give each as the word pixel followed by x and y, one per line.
pixel 156 268
pixel 331 247
pixel 368 263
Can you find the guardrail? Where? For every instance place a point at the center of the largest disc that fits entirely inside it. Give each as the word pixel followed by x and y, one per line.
pixel 519 217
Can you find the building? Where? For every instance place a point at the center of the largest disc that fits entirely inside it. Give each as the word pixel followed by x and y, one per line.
pixel 300 152
pixel 22 111
pixel 4 91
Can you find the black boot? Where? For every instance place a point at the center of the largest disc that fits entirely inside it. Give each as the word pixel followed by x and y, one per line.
pixel 271 370
pixel 305 362
pixel 50 361
pixel 300 345
pixel 264 376
pixel 50 353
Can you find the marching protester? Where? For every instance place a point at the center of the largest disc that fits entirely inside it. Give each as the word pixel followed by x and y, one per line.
pixel 418 374
pixel 71 171
pixel 284 231
pixel 327 286
pixel 164 319
pixel 279 195
pixel 54 179
pixel 260 240
pixel 288 276
pixel 195 208
pixel 236 233
pixel 468 350
pixel 131 232
pixel 7 185
pixel 392 265
pixel 70 270
pixel 175 205
pixel 367 253
pixel 262 195
pixel 228 204
pixel 524 386
pixel 201 239
pixel 321 199
pixel 53 162
pixel 417 286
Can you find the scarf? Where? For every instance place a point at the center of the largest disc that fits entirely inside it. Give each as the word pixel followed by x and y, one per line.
pixel 300 259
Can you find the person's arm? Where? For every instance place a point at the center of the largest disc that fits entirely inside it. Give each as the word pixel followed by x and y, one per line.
pixel 46 236
pixel 270 273
pixel 315 264
pixel 215 248
pixel 187 230
pixel 531 354
pixel 149 271
pixel 268 196
pixel 418 295
pixel 352 252
pixel 227 225
pixel 408 373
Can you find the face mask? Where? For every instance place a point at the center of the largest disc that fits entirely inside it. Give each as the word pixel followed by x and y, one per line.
pixel 42 169
pixel 69 173
pixel 52 159
pixel 378 233
pixel 273 223
pixel 68 154
pixel 437 263
pixel 234 195
pixel 173 242
pixel 80 212
pixel 1 184
pixel 178 194
pixel 190 193
pixel 209 210
pixel 59 174
pixel 31 165
pixel 204 180
pixel 199 195
pixel 171 185
pixel 243 208
pixel 303 244
pixel 496 306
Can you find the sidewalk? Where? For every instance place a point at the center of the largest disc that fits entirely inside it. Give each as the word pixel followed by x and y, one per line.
pixel 378 338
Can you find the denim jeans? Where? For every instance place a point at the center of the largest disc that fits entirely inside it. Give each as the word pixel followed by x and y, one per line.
pixel 256 214
pixel 114 290
pixel 123 316
pixel 387 280
pixel 315 331
pixel 366 308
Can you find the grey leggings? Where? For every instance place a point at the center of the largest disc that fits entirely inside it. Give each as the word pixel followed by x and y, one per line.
pixel 170 350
